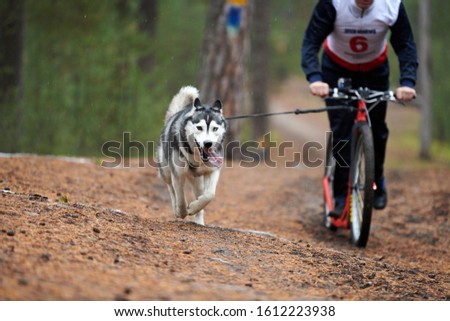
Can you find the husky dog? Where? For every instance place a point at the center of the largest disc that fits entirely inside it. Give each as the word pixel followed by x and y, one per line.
pixel 190 151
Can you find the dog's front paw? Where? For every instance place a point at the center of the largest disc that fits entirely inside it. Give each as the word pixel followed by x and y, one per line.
pixel 190 210
pixel 200 203
pixel 194 208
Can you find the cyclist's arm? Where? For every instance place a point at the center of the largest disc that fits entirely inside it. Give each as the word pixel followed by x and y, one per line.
pixel 402 41
pixel 319 27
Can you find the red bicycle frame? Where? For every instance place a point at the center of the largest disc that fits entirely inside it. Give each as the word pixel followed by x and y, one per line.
pixel 344 220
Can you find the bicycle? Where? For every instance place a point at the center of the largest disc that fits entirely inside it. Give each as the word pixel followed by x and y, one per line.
pixel 357 212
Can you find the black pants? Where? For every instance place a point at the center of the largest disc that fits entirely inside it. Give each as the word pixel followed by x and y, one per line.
pixel 341 121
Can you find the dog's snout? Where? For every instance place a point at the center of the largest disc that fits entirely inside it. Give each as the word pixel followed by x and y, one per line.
pixel 208 144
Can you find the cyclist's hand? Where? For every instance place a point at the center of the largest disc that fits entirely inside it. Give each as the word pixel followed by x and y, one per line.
pixel 319 88
pixel 405 93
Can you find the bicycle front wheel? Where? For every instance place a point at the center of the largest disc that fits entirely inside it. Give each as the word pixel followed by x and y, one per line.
pixel 361 178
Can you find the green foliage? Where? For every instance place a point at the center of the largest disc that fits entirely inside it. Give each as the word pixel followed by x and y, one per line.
pixel 440 75
pixel 63 198
pixel 440 50
pixel 289 19
pixel 78 80
pixel 83 82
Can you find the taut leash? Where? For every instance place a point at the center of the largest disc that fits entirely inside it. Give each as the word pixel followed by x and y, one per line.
pixel 295 112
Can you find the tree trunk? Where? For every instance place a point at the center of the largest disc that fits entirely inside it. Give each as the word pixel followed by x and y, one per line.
pixel 11 82
pixel 147 23
pixel 225 48
pixel 425 78
pixel 260 58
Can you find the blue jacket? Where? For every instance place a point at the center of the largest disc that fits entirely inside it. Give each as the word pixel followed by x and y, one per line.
pixel 322 24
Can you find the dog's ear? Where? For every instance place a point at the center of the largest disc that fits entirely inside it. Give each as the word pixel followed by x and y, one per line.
pixel 197 104
pixel 217 106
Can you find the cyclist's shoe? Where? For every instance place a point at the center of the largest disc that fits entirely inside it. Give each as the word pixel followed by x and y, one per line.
pixel 380 194
pixel 338 207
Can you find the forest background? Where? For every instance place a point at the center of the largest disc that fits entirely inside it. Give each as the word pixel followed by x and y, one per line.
pixel 80 73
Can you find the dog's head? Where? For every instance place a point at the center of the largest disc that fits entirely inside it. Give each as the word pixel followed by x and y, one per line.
pixel 207 127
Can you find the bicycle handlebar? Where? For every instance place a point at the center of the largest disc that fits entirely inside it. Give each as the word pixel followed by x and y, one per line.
pixel 367 95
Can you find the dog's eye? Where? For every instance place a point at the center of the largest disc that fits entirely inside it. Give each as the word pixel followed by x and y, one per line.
pixel 215 129
pixel 199 128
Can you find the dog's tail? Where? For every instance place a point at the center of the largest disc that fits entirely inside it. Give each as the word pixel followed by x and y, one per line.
pixel 184 98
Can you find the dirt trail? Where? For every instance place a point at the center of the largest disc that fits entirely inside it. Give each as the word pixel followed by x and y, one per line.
pixel 77 231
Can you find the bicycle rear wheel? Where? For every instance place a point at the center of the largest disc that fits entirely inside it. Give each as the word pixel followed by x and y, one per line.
pixel 328 179
pixel 361 179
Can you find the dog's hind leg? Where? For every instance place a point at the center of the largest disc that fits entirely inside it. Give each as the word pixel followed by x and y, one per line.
pixel 172 198
pixel 178 185
pixel 205 193
pixel 197 185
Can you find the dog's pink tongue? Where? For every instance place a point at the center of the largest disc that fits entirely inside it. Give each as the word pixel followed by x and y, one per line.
pixel 213 158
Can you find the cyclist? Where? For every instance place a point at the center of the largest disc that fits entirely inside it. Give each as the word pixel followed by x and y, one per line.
pixel 354 36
